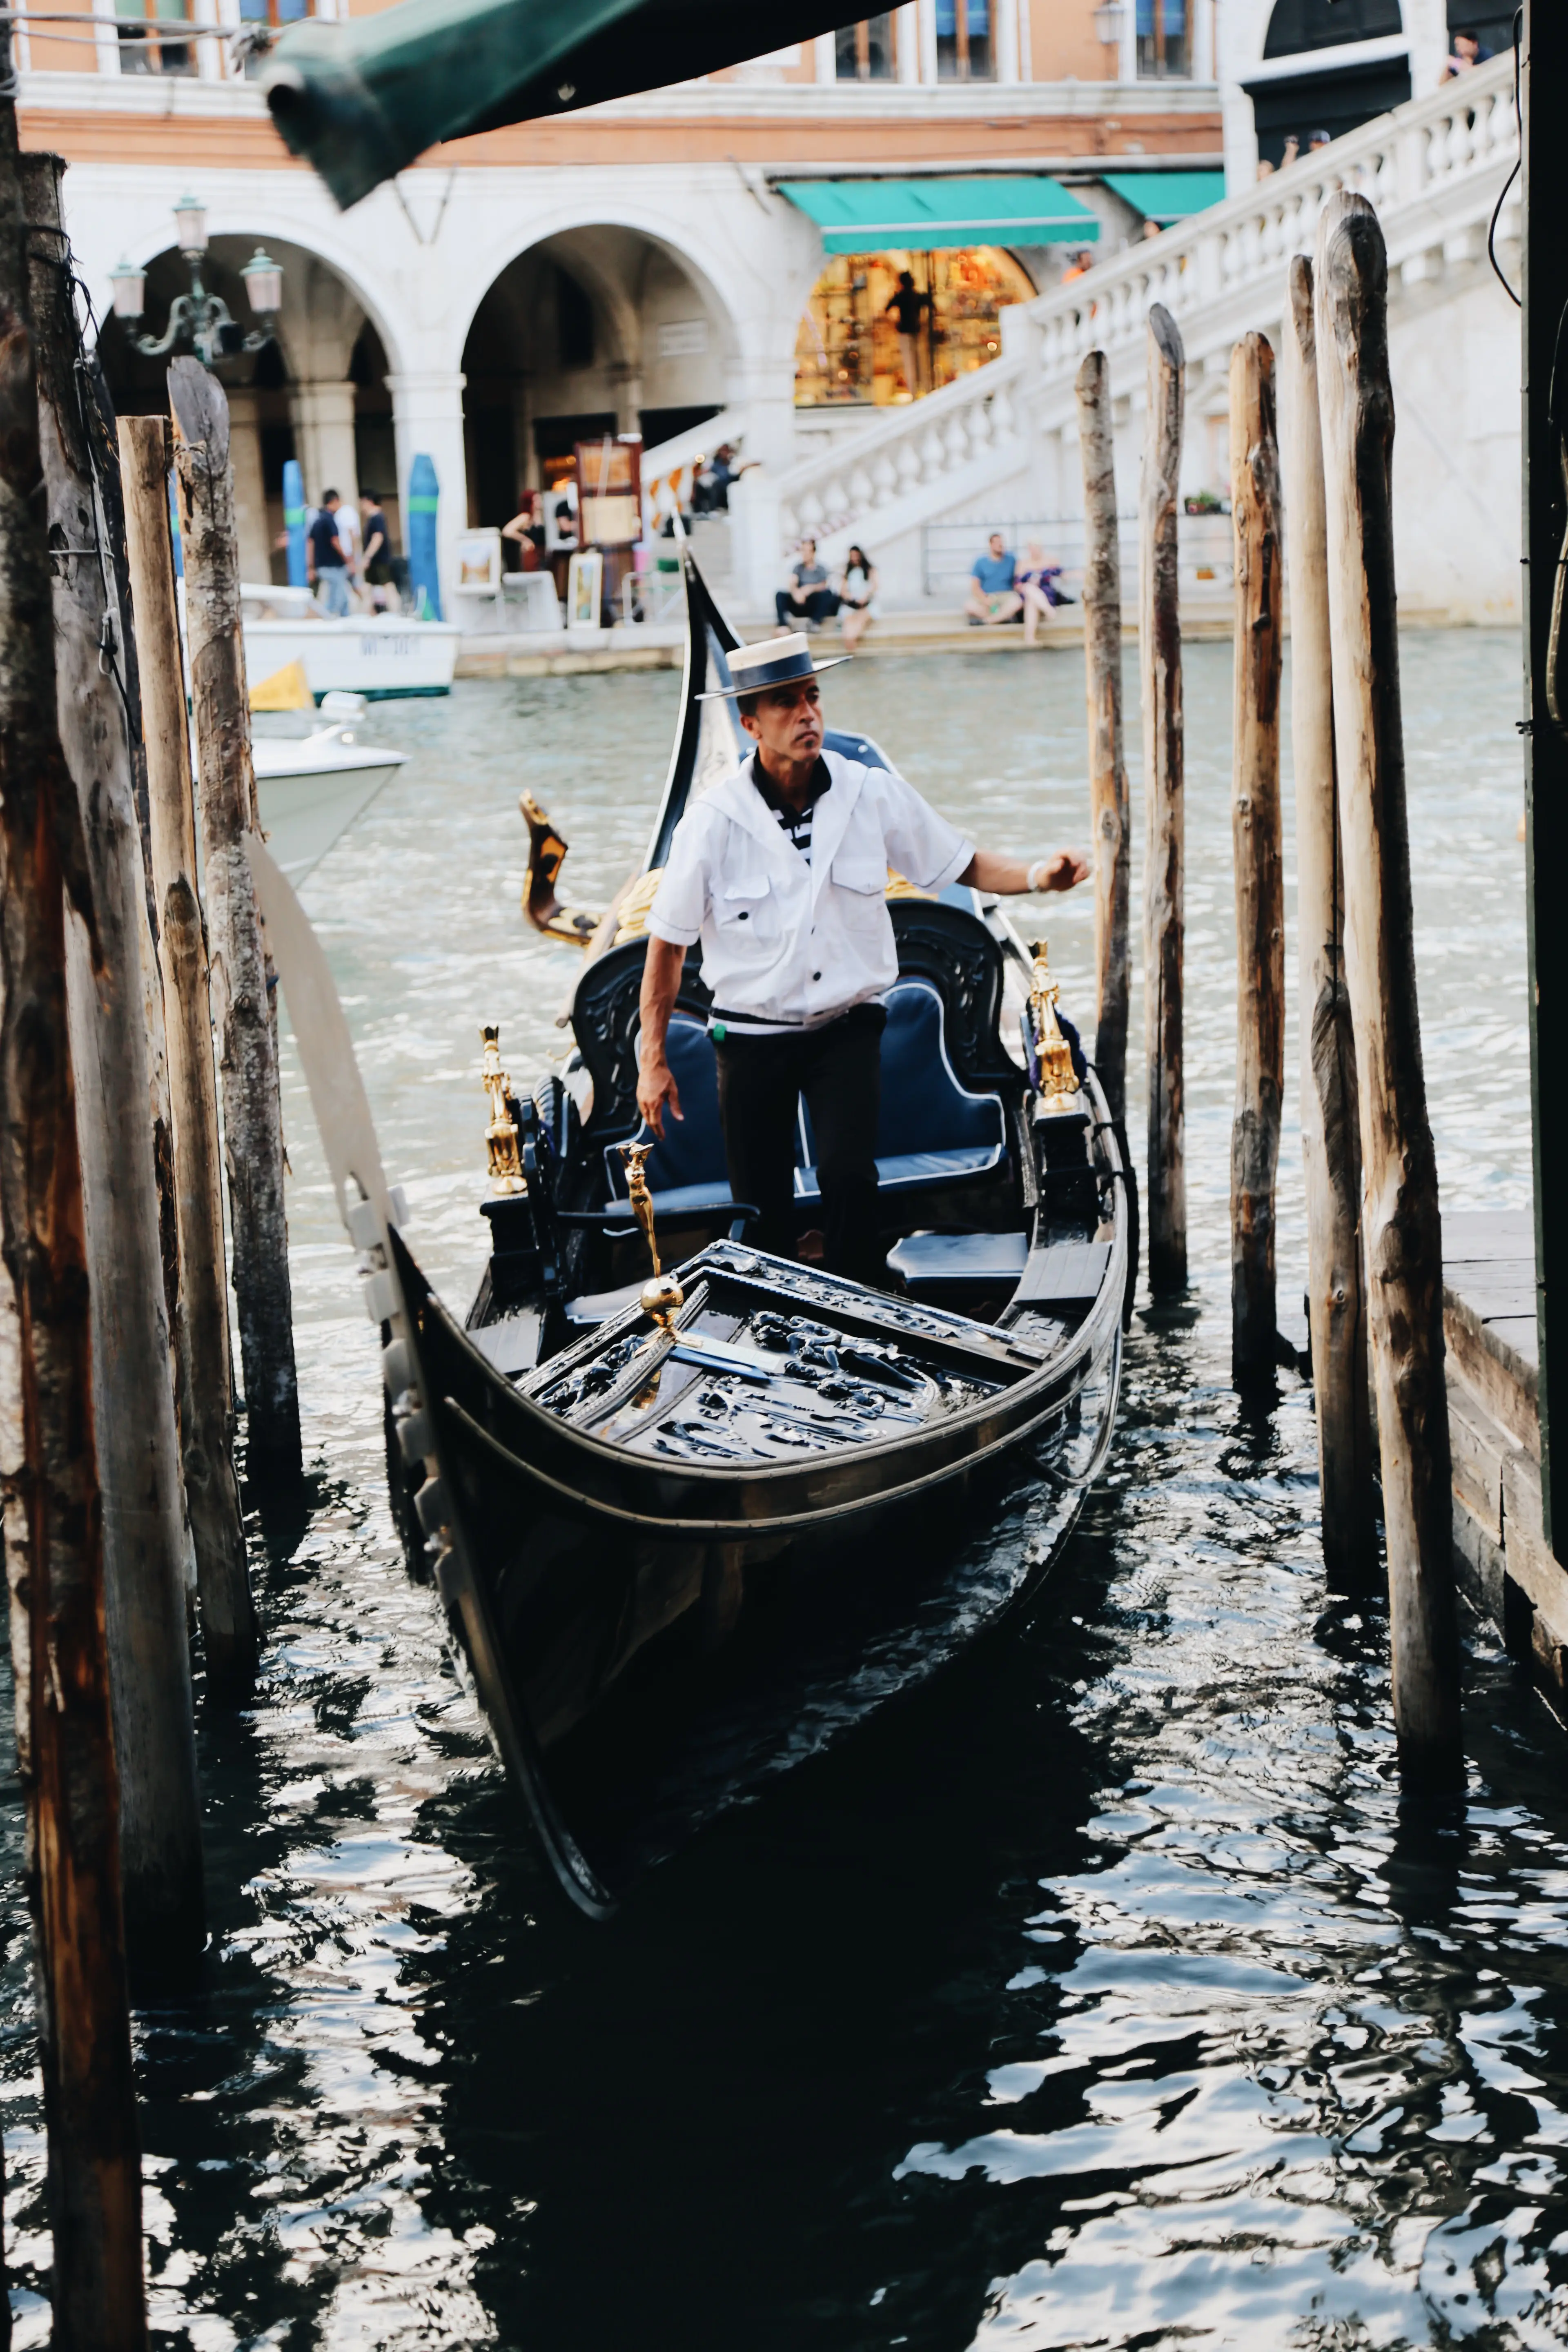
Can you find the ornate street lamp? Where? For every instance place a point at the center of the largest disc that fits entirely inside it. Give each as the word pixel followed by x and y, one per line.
pixel 200 321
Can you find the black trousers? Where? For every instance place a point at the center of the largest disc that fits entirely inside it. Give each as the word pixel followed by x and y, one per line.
pixel 816 605
pixel 838 1069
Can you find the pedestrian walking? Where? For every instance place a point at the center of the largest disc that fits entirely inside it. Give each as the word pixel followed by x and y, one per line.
pixel 326 566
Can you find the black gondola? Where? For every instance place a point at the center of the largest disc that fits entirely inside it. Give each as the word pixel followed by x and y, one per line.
pixel 690 1530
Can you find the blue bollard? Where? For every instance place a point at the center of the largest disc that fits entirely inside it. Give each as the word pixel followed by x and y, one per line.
pixel 175 528
pixel 419 536
pixel 294 520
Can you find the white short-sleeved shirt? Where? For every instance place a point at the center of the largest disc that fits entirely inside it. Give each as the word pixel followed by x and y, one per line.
pixel 789 944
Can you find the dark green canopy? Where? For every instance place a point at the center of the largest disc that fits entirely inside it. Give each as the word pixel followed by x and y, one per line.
pixel 363 99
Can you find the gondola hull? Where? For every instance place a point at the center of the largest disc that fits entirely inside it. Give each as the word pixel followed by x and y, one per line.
pixel 664 1634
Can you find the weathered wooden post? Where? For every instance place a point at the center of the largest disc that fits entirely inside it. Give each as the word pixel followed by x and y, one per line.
pixel 252 1114
pixel 133 1401
pixel 94 2189
pixel 1259 876
pixel 1401 1230
pixel 1330 1139
pixel 1108 795
pixel 1159 661
pixel 228 1617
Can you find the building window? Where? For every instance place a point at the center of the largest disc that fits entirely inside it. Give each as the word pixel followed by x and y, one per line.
pixel 279 14
pixel 963 40
pixel 865 51
pixel 148 42
pixel 1162 39
pixel 849 352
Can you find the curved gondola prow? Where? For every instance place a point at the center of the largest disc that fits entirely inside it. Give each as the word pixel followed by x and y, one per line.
pixel 710 737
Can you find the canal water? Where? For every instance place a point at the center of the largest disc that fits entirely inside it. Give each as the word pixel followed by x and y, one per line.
pixel 1109 1998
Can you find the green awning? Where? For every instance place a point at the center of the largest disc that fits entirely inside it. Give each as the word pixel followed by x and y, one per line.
pixel 929 215
pixel 360 98
pixel 1167 196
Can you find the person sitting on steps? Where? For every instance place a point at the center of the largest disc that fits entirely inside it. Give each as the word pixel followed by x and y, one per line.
pixel 808 597
pixel 993 587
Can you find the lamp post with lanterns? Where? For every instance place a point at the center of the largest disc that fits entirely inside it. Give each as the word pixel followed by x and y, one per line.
pixel 200 321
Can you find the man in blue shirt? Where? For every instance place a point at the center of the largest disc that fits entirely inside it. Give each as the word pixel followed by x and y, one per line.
pixel 993 596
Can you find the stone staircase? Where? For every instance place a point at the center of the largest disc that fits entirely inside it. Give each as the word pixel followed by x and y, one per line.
pixel 1001 444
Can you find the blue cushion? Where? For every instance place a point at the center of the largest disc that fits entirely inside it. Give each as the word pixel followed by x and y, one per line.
pixel 931 1130
pixel 912 1171
pixel 691 1153
pixel 959 1257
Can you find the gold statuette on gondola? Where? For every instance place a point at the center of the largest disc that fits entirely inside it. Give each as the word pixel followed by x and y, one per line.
pixel 501 1135
pixel 1058 1080
pixel 661 1294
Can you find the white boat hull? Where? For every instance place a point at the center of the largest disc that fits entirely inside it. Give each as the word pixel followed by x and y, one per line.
pixel 308 799
pixel 378 656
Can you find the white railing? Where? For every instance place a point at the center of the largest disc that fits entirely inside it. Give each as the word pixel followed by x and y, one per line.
pixel 1434 169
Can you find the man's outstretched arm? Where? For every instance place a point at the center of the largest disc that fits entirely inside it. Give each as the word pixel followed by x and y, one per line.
pixel 1009 878
pixel 655 1080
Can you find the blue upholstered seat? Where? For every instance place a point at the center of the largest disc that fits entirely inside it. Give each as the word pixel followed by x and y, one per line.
pixel 929 1261
pixel 932 1133
pixel 686 1169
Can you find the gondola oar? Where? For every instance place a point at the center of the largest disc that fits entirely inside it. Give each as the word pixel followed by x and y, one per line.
pixel 372 1210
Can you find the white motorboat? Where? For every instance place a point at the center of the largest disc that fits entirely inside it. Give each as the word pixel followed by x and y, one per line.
pixel 374 654
pixel 309 789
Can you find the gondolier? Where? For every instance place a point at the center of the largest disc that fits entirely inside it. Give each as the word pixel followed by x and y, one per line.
pixel 780 871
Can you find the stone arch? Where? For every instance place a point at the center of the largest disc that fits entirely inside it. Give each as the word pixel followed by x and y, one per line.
pixel 593 325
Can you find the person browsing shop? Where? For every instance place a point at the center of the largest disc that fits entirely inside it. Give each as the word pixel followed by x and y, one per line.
pixel 780 871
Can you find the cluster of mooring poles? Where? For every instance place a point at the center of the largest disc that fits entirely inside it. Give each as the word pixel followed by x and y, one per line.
pixel 117 1401
pixel 1374 1244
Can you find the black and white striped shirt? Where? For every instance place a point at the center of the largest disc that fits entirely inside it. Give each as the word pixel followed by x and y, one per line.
pixel 794 824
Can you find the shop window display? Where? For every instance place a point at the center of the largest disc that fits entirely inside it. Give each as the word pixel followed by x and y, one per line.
pixel 848 351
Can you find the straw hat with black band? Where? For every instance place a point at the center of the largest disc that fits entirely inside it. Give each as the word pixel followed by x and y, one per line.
pixel 777 661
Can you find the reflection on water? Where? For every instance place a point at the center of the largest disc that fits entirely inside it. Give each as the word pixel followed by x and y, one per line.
pixel 1105 1997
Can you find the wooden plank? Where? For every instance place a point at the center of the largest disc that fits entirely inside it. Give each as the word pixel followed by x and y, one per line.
pixel 1519 1336
pixel 1497 1302
pixel 1072 1271
pixel 1488 1234
pixel 1463 1273
pixel 1478 1447
pixel 1504 1387
pixel 1529 1564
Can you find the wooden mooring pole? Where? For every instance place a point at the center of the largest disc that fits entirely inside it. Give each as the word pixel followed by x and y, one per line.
pixel 59 1651
pixel 1160 658
pixel 252 1116
pixel 1330 1138
pixel 1258 841
pixel 1402 1235
pixel 107 956
pixel 1109 805
pixel 228 1616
